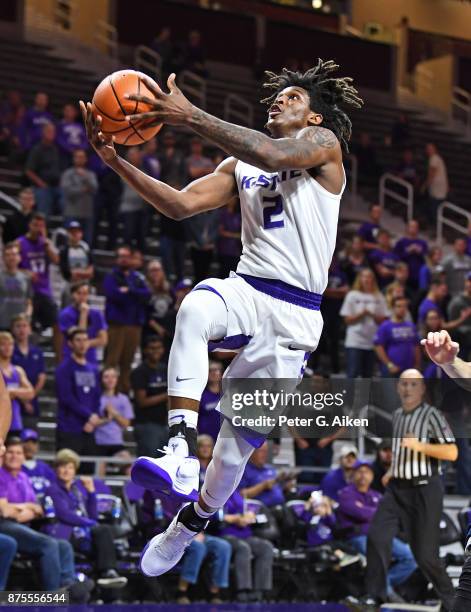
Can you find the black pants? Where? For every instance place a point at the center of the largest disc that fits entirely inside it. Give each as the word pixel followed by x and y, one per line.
pixel 82 443
pixel 418 510
pixel 103 545
pixel 463 592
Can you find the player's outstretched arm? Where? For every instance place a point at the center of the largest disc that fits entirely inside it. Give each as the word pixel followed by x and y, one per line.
pixel 444 352
pixel 206 193
pixel 5 413
pixel 314 146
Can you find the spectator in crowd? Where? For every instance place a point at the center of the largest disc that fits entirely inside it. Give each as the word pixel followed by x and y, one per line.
pixel 197 165
pixel 116 414
pixel 338 478
pixel 163 45
pixel 209 419
pixel 253 557
pixel 363 309
pixel 12 112
pixel 29 357
pixel 149 384
pixel 369 169
pixel 75 256
pixel 383 259
pixel 355 259
pixel 412 250
pixel 71 135
pixel 15 287
pixel 37 253
pixel 260 479
pixel 468 240
pixel 79 314
pixel 381 464
pixel 434 300
pixel 18 507
pixel 436 183
pixel 401 278
pixel 432 267
pixel 172 232
pixel 137 261
pixel 369 229
pixel 75 505
pixel 459 304
pixel 396 290
pixel 78 397
pixel 79 187
pixel 400 131
pixel 40 474
pixel 202 232
pixel 205 447
pixel 358 503
pixel 150 161
pixel 43 169
pixel 334 295
pixel 397 342
pixel 35 119
pixel 127 296
pixel 194 55
pixel 18 386
pixel 219 552
pixel 457 266
pixel 18 222
pixel 407 169
pixel 229 246
pixel 160 300
pixel 133 208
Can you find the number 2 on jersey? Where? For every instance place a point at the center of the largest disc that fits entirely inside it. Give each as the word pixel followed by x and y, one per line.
pixel 276 208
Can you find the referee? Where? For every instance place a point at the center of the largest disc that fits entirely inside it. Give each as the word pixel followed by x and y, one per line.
pixel 444 352
pixel 414 495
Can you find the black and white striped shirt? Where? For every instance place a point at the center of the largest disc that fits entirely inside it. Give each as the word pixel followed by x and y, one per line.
pixel 428 425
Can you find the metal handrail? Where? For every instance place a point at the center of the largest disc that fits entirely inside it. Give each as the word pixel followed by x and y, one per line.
pixel 407 200
pixel 149 61
pixel 442 220
pixel 461 101
pixel 194 86
pixel 107 35
pixel 238 109
pixel 4 197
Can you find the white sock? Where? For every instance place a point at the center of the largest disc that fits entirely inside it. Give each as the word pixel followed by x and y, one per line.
pixel 176 416
pixel 202 513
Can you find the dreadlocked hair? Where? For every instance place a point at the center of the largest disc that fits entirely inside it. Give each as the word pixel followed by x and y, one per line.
pixel 327 95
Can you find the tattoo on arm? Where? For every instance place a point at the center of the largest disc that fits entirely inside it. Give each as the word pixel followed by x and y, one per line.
pixel 322 137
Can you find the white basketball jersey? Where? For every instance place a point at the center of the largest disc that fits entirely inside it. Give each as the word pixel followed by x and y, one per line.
pixel 289 226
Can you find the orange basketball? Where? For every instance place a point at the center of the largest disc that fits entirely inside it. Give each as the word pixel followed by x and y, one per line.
pixel 109 102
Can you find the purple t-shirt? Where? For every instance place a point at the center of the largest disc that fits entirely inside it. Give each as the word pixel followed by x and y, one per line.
pixel 235 505
pixel 34 257
pixel 111 433
pixel 69 317
pixel 426 305
pixel 385 258
pixel 253 475
pixel 12 381
pixel 320 528
pixel 209 419
pixel 33 122
pixel 78 394
pixel 71 136
pixel 399 340
pixel 17 489
pixel 368 231
pixel 40 474
pixel 412 251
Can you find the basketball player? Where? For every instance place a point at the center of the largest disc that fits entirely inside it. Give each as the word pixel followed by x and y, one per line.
pixel 290 187
pixel 444 352
pixel 5 414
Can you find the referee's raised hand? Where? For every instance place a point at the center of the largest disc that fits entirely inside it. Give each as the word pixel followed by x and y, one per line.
pixel 440 347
